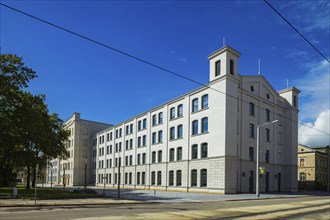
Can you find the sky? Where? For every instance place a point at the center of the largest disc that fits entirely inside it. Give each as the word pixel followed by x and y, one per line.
pixel 77 75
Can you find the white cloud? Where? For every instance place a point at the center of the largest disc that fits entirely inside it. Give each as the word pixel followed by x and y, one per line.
pixel 312 136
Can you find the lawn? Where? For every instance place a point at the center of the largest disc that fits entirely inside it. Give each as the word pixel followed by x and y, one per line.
pixel 47 193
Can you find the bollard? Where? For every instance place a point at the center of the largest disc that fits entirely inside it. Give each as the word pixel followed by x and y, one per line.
pixel 14 193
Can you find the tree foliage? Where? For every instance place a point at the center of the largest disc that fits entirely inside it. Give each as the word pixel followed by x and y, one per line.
pixel 28 133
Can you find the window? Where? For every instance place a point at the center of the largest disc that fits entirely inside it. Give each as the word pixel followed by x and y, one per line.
pixel 231 67
pixel 139 159
pixel 251 108
pixel 172 133
pixel 205 101
pixel 267 115
pixel 127 129
pixel 267 156
pixel 171 178
pixel 126 161
pixel 126 178
pixel 159 178
pixel 154 120
pixel 144 123
pixel 131 144
pixel 178 177
pixel 195 105
pixel 131 128
pixel 126 144
pixel 205 125
pixel 194 127
pixel 139 141
pixel 180 110
pixel 217 68
pixel 172 154
pixel 119 148
pixel 194 151
pixel 204 178
pixel 160 156
pixel 139 125
pixel 204 150
pixel 160 136
pixel 160 118
pixel 302 162
pixel 193 178
pixel 251 130
pixel 143 178
pixel 172 113
pixel 138 178
pixel 251 153
pixel 120 132
pixel 153 159
pixel 144 158
pixel 179 153
pixel 130 178
pixel 179 131
pixel 153 178
pixel 267 135
pixel 144 140
pixel 302 177
pixel 130 160
pixel 154 137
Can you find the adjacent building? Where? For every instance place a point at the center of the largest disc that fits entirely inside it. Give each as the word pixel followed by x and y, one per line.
pixel 74 170
pixel 313 167
pixel 204 140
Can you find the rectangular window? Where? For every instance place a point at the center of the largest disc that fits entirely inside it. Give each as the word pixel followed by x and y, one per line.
pixel 138 178
pixel 159 178
pixel 172 113
pixel 179 154
pixel 267 135
pixel 251 109
pixel 217 68
pixel 130 178
pixel 179 131
pixel 251 130
pixel 171 178
pixel 195 105
pixel 172 154
pixel 178 177
pixel 153 178
pixel 231 67
pixel 251 153
pixel 160 136
pixel 160 156
pixel 193 178
pixel 143 178
pixel 154 137
pixel 194 151
pixel 267 156
pixel 172 133
pixel 267 115
pixel 160 118
pixel 205 125
pixel 153 159
pixel 195 127
pixel 180 110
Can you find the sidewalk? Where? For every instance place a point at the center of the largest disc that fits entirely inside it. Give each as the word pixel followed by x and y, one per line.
pixel 149 196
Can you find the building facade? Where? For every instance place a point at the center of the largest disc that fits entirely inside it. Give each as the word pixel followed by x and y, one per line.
pixel 206 140
pixel 74 170
pixel 313 167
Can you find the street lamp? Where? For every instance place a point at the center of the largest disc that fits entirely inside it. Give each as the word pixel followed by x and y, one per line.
pixel 85 182
pixel 258 155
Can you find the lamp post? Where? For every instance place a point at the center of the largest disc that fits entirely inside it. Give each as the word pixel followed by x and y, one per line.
pixel 85 180
pixel 258 155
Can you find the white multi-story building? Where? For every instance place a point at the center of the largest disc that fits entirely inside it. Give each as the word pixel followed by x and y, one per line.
pixel 76 168
pixel 206 140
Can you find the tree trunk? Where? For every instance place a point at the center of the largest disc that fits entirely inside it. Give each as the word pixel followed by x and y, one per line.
pixel 34 177
pixel 28 177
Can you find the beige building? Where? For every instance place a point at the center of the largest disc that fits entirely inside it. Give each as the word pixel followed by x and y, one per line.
pixel 313 167
pixel 206 140
pixel 72 171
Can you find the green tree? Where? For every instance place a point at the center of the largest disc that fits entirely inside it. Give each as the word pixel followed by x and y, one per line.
pixel 28 133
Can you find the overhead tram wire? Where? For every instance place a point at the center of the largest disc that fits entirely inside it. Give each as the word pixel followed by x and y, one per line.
pixel 295 29
pixel 144 61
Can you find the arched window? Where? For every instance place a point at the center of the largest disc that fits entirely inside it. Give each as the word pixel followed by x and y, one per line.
pixel 180 110
pixel 194 151
pixel 302 177
pixel 204 150
pixel 195 127
pixel 204 178
pixel 205 125
pixel 193 178
pixel 195 105
pixel 205 101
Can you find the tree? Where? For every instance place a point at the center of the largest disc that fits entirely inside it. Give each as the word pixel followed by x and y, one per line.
pixel 28 133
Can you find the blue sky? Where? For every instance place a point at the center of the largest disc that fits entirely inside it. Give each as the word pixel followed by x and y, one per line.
pixel 79 76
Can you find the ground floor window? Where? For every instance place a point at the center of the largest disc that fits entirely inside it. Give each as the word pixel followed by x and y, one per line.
pixel 171 178
pixel 302 177
pixel 159 178
pixel 178 177
pixel 193 177
pixel 204 178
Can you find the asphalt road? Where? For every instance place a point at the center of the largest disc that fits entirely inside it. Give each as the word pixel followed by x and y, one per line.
pixel 311 207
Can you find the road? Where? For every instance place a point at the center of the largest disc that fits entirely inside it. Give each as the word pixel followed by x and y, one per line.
pixel 311 207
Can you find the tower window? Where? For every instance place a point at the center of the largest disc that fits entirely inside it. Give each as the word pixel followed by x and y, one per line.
pixel 231 62
pixel 217 68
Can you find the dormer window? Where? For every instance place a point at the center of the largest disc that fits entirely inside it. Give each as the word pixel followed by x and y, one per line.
pixel 231 67
pixel 217 68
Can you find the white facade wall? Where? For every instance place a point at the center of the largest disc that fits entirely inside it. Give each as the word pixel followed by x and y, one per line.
pixel 229 166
